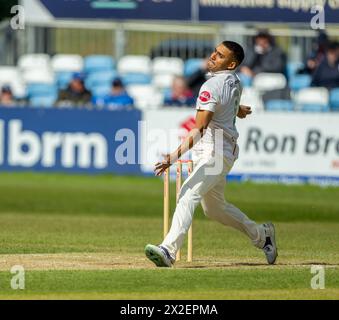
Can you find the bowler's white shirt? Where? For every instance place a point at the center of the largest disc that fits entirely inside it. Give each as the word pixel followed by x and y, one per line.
pixel 220 94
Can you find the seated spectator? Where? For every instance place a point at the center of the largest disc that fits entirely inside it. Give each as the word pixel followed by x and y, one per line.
pixel 117 99
pixel 180 94
pixel 319 48
pixel 265 56
pixel 6 97
pixel 76 93
pixel 327 73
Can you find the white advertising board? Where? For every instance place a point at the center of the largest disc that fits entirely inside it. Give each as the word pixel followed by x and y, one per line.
pixel 296 146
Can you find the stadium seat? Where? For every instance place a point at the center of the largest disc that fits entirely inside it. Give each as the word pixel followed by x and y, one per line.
pixel 192 65
pixel 43 102
pixel 246 81
pixel 334 99
pixel 67 62
pixel 42 94
pixel 41 89
pixel 11 76
pixel 6 73
pixel 97 63
pixel 315 108
pixel 167 92
pixel 38 75
pixel 251 97
pixel 300 81
pixel 269 81
pixel 279 105
pixel 136 78
pixel 312 99
pixel 63 79
pixel 184 48
pixel 100 78
pixel 101 90
pixel 163 81
pixel 292 68
pixel 34 61
pixel 134 64
pixel 162 65
pixel 145 96
pixel 18 88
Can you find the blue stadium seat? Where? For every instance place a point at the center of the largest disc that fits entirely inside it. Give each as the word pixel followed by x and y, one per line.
pixel 41 89
pixel 334 99
pixel 101 90
pixel 63 79
pixel 101 78
pixel 279 105
pixel 42 94
pixel 97 63
pixel 167 93
pixel 45 102
pixel 246 81
pixel 292 68
pixel 136 78
pixel 191 66
pixel 314 108
pixel 300 81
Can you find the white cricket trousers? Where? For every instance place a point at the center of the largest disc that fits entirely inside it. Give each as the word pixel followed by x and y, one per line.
pixel 207 188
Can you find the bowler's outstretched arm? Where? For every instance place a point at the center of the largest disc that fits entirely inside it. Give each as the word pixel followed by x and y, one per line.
pixel 202 119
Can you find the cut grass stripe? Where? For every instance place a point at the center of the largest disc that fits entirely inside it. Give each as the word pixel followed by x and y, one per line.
pixel 180 284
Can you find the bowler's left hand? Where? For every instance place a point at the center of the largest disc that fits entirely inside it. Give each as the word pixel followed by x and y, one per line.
pixel 244 111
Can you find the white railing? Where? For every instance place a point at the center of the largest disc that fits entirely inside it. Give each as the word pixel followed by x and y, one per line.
pixel 120 38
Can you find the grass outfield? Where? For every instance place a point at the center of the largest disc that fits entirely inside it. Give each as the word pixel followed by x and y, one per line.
pixel 82 237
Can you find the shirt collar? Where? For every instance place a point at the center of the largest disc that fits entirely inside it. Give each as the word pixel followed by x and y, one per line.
pixel 218 73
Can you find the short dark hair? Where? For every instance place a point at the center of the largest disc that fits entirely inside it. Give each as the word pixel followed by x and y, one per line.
pixel 237 50
pixel 6 89
pixel 263 33
pixel 117 82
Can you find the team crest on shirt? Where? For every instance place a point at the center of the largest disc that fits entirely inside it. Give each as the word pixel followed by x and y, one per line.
pixel 205 96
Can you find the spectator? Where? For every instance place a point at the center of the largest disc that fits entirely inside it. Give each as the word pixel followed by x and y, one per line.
pixel 318 53
pixel 76 94
pixel 264 57
pixel 327 74
pixel 117 99
pixel 197 79
pixel 181 95
pixel 6 97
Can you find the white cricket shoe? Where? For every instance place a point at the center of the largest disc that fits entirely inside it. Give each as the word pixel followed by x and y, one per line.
pixel 159 256
pixel 270 247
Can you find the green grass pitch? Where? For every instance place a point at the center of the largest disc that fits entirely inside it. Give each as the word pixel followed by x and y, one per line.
pixel 82 237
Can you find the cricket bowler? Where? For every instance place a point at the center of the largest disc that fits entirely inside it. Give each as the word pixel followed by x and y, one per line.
pixel 217 108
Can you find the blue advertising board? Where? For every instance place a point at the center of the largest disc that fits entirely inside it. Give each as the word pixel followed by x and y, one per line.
pixel 266 11
pixel 120 9
pixel 69 140
pixel 287 11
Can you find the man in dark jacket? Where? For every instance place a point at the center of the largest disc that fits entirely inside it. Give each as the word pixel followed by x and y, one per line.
pixel 327 73
pixel 76 94
pixel 264 57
